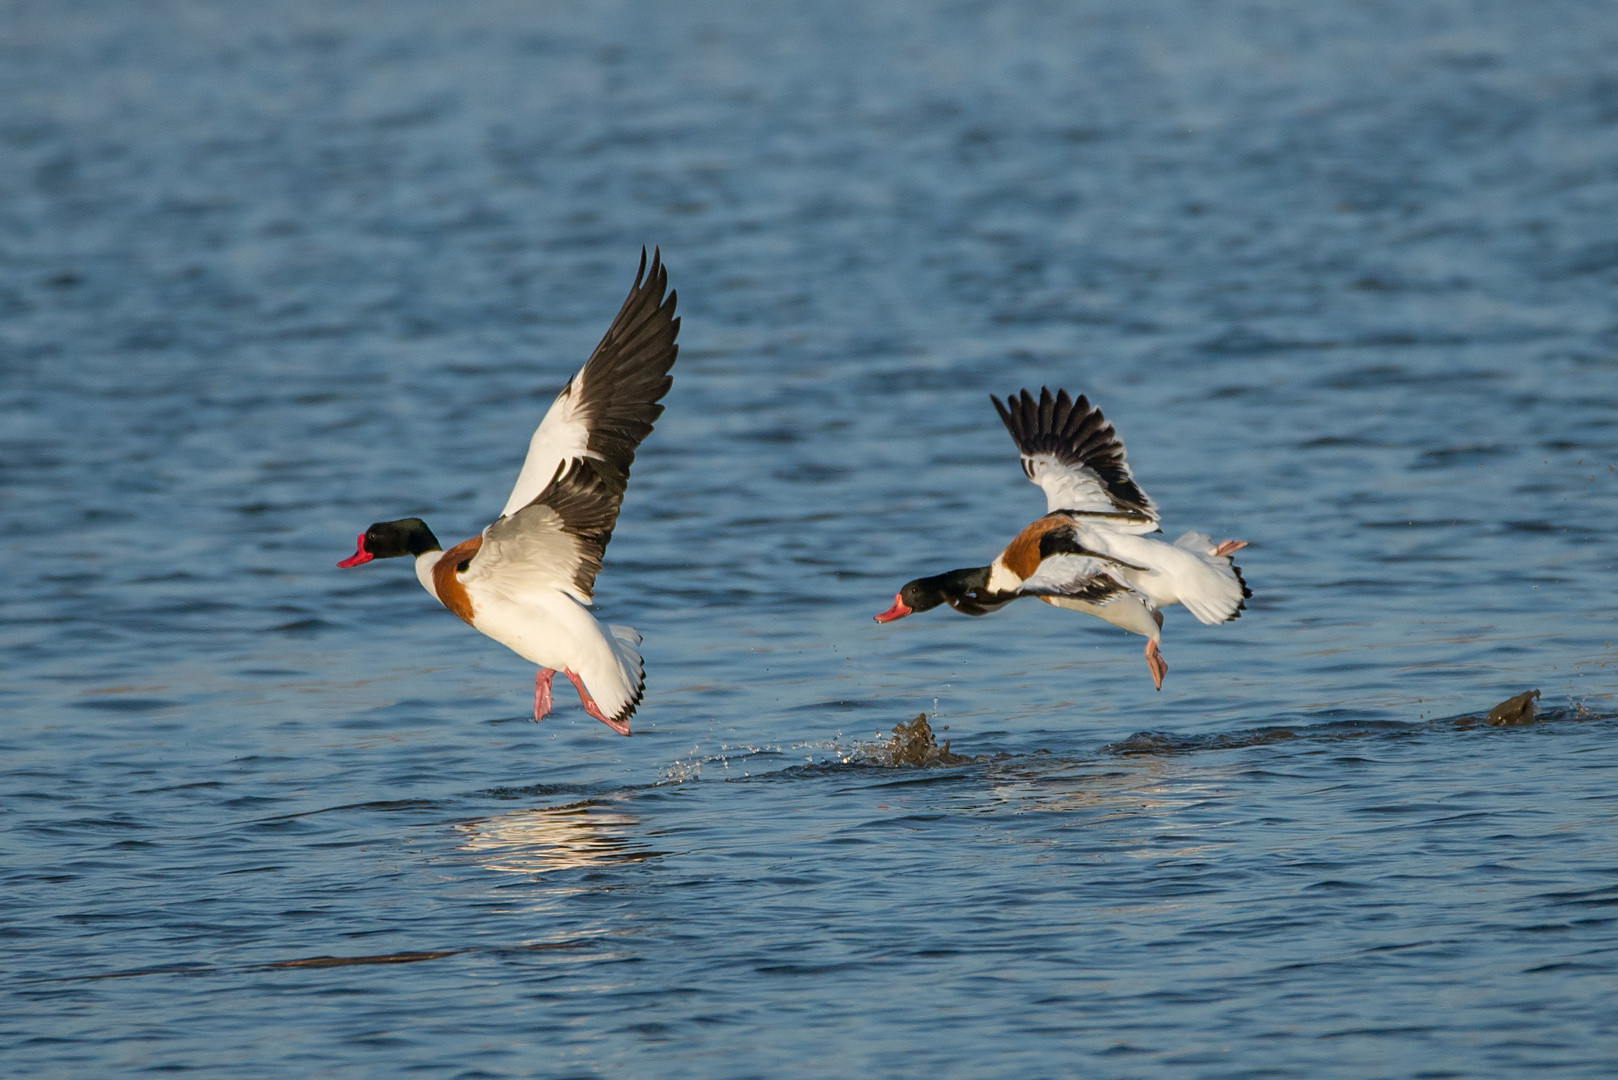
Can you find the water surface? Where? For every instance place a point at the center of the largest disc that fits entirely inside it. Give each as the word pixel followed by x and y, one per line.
pixel 1341 274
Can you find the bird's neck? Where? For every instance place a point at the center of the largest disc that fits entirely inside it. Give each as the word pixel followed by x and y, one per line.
pixel 424 569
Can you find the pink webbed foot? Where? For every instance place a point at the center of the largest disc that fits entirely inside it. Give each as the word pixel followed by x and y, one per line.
pixel 542 693
pixel 590 706
pixel 1230 547
pixel 1155 661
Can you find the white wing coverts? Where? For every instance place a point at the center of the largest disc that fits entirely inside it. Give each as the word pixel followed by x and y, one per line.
pixel 555 543
pixel 604 411
pixel 1076 458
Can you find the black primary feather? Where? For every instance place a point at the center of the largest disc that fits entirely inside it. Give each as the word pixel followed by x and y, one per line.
pixel 1096 590
pixel 1076 434
pixel 628 373
pixel 1247 594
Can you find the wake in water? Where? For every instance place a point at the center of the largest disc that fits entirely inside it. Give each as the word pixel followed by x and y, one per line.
pixel 913 744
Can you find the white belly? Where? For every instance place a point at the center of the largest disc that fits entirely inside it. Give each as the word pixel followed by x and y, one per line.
pixel 560 635
pixel 1125 611
pixel 557 632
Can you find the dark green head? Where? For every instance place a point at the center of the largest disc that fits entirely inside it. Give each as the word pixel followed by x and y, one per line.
pixel 391 540
pixel 926 593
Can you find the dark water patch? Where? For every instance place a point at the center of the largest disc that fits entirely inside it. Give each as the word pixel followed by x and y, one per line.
pixel 127 704
pixel 312 627
pixel 1454 456
pixel 380 806
pixel 1601 897
pixel 316 962
pixel 1456 523
pixel 1159 742
pixel 1381 376
pixel 1528 526
pixel 346 961
pixel 533 791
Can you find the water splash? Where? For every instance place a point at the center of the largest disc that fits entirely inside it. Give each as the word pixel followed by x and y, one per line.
pixel 912 744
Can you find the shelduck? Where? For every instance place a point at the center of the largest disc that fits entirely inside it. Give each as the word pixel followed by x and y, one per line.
pixel 527 580
pixel 1091 551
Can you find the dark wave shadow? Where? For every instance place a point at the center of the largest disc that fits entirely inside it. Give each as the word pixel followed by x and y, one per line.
pixel 1518 711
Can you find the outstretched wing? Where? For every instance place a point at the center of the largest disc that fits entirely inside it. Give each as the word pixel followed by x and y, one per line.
pixel 1082 577
pixel 555 543
pixel 604 411
pixel 1075 583
pixel 1073 454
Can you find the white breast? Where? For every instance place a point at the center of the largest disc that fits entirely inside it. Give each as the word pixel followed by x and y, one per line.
pixel 424 570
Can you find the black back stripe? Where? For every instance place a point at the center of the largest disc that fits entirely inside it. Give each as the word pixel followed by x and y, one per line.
pixel 1061 542
pixel 1065 542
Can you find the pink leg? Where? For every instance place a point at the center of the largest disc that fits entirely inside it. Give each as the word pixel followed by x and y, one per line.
pixel 1230 547
pixel 542 693
pixel 590 706
pixel 1155 661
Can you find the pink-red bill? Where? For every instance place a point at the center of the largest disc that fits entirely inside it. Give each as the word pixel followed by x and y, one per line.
pixel 898 611
pixel 360 554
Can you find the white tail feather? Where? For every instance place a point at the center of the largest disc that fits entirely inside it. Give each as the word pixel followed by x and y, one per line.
pixel 624 639
pixel 1199 543
pixel 1215 597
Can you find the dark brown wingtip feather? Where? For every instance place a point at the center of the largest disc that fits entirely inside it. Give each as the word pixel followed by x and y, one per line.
pixel 1098 589
pixel 588 506
pixel 634 703
pixel 1077 434
pixel 1247 594
pixel 628 373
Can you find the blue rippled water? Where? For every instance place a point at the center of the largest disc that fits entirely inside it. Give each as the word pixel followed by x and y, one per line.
pixel 1342 274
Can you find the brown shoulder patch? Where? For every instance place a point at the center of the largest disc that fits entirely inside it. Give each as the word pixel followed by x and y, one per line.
pixel 1021 556
pixel 447 577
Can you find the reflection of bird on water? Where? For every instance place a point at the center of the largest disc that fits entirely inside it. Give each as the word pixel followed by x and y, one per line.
pixel 1089 552
pixel 528 580
pixel 553 838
